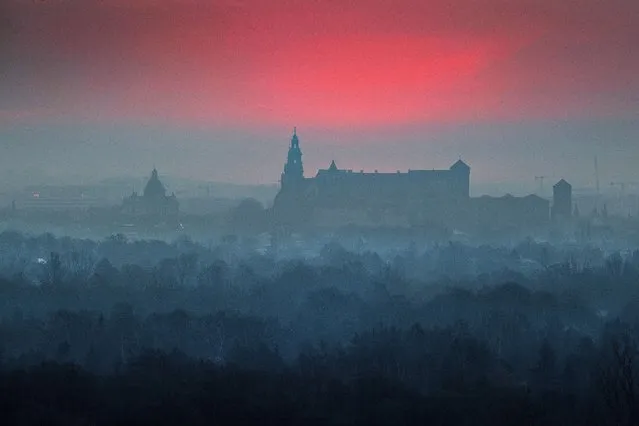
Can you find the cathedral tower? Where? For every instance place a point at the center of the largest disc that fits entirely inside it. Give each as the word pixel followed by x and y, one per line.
pixel 293 169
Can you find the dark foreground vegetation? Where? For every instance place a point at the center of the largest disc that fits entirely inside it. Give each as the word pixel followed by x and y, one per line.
pixel 113 332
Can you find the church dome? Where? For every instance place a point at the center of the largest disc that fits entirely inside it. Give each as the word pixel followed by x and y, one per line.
pixel 154 188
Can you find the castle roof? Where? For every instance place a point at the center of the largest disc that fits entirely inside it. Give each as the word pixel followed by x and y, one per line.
pixel 332 167
pixel 460 165
pixel 562 183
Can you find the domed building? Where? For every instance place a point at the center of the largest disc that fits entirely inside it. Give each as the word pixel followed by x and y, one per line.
pixel 153 203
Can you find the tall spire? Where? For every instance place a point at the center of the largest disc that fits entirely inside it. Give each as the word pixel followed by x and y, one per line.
pixel 293 169
pixel 295 142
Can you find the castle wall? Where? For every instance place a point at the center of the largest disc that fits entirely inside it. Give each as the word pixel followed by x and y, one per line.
pixel 388 188
pixel 336 195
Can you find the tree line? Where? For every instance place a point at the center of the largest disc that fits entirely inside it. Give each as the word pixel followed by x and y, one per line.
pixel 108 332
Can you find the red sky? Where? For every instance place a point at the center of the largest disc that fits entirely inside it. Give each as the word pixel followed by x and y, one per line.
pixel 522 87
pixel 328 63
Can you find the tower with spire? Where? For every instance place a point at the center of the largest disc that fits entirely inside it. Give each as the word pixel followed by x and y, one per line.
pixel 337 195
pixel 293 169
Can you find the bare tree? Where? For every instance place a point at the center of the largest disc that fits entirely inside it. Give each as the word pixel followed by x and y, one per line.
pixel 186 266
pixel 53 269
pixel 617 380
pixel 80 263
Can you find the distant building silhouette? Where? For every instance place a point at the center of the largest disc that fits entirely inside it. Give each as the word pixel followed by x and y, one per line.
pixel 293 175
pixel 562 200
pixel 417 198
pixel 509 211
pixel 381 195
pixel 153 203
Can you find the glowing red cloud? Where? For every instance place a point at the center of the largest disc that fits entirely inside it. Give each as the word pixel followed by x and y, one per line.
pixel 356 80
pixel 326 63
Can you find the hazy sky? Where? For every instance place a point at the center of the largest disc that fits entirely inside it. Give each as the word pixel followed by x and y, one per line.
pixel 211 89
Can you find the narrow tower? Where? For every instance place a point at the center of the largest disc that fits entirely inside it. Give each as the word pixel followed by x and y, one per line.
pixel 293 170
pixel 461 179
pixel 562 200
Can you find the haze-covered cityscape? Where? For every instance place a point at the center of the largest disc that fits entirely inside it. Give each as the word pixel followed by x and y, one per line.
pixel 368 211
pixel 319 213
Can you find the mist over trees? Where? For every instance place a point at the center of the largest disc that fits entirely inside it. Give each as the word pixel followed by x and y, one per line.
pixel 118 331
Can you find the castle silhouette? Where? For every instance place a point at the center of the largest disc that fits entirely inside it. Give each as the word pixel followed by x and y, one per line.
pixel 340 197
pixel 337 196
